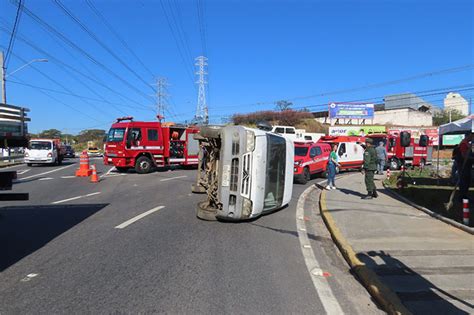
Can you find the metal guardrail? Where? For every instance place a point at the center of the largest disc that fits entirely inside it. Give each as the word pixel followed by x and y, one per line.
pixel 13 159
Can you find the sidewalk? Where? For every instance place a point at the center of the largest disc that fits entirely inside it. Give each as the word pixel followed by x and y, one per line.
pixel 427 263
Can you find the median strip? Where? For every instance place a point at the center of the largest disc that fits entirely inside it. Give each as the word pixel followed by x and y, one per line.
pixel 138 217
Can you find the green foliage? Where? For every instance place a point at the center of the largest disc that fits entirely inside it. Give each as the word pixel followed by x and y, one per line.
pixel 283 105
pixel 50 133
pixel 442 117
pixel 288 117
pixel 96 135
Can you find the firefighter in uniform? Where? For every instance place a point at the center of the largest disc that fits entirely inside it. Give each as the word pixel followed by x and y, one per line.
pixel 370 166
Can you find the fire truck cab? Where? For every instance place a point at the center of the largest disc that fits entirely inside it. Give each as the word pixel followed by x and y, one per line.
pixel 414 154
pixel 144 145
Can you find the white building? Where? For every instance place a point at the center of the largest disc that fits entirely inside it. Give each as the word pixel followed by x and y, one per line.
pixel 454 101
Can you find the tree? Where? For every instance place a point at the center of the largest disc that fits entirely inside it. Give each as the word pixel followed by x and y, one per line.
pixel 96 135
pixel 50 133
pixel 442 117
pixel 283 105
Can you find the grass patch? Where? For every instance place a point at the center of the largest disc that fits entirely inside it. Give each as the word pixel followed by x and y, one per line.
pixel 431 193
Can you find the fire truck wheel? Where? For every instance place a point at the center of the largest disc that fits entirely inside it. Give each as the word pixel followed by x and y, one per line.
pixel 394 164
pixel 143 165
pixel 204 212
pixel 121 169
pixel 210 131
pixel 198 189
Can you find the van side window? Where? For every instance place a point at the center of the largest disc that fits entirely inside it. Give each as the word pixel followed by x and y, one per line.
pixel 279 130
pixel 308 138
pixel 152 134
pixel 342 149
pixel 312 152
pixel 290 130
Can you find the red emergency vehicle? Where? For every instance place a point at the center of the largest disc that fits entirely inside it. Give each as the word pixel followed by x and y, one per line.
pixel 350 152
pixel 143 145
pixel 414 154
pixel 310 158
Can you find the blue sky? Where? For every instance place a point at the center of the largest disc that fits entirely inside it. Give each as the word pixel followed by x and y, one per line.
pixel 259 52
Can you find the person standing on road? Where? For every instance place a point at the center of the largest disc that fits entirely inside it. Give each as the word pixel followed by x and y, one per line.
pixel 332 164
pixel 381 157
pixel 370 166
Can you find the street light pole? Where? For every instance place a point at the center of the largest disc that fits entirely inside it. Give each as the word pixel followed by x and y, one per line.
pixel 2 77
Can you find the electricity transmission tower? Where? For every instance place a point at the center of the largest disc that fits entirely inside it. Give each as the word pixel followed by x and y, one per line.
pixel 161 96
pixel 202 114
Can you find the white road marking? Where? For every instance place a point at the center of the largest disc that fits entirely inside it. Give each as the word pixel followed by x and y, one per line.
pixel 75 198
pixel 166 179
pixel 48 172
pixel 70 176
pixel 321 285
pixel 46 178
pixel 108 172
pixel 138 217
pixel 29 277
pixel 21 172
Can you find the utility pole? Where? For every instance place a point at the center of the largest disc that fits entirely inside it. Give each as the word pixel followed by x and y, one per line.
pixel 2 77
pixel 202 113
pixel 161 96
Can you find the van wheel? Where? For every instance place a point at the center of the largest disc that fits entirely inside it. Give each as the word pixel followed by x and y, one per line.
pixel 143 165
pixel 206 213
pixel 29 164
pixel 59 161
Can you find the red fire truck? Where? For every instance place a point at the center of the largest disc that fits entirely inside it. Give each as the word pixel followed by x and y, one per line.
pixel 416 154
pixel 143 145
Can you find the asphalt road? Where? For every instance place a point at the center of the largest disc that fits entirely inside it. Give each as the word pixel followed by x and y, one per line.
pixel 132 244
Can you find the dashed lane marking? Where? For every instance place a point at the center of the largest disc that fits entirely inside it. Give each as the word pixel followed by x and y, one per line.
pixel 21 172
pixel 70 176
pixel 138 217
pixel 318 276
pixel 75 198
pixel 46 178
pixel 48 172
pixel 171 178
pixel 108 172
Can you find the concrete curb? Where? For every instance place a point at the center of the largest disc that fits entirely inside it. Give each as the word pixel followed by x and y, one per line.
pixel 379 291
pixel 12 164
pixel 456 224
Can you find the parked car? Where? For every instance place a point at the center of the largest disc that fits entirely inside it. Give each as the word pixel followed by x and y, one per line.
pixel 310 158
pixel 70 153
pixel 93 152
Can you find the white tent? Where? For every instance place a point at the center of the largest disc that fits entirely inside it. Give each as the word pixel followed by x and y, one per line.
pixel 464 125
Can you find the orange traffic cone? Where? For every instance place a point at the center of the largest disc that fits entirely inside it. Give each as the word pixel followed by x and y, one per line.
pixel 84 169
pixel 94 177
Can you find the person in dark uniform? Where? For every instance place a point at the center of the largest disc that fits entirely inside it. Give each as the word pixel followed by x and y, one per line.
pixel 370 166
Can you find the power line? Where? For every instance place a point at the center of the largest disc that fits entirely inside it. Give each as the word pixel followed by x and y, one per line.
pixel 67 68
pixel 98 41
pixel 13 34
pixel 48 28
pixel 117 35
pixel 177 42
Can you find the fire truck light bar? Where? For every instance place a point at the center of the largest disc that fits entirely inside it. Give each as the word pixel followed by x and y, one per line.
pixel 124 118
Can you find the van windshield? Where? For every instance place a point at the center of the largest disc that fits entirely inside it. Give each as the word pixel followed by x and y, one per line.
pixel 116 134
pixel 301 151
pixel 275 175
pixel 40 145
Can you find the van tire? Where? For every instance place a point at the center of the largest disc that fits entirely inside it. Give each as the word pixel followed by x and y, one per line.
pixel 210 131
pixel 305 177
pixel 204 212
pixel 143 165
pixel 29 164
pixel 198 189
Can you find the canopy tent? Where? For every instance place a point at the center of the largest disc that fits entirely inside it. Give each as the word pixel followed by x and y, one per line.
pixel 465 125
